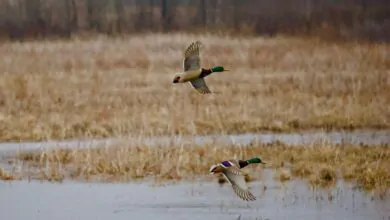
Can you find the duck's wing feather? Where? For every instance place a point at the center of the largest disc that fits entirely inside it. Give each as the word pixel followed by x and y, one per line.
pixel 200 85
pixel 243 194
pixel 235 177
pixel 191 57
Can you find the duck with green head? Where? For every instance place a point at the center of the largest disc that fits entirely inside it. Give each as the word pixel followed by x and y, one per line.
pixel 230 169
pixel 193 73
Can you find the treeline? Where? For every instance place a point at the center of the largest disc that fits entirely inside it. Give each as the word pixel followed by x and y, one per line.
pixel 360 19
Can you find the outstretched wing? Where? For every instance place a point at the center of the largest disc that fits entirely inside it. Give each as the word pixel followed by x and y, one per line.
pixel 191 57
pixel 200 85
pixel 237 179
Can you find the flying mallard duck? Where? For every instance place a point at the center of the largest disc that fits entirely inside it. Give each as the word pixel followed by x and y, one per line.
pixel 193 73
pixel 230 169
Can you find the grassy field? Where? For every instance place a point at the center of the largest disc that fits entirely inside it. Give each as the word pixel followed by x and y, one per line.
pixel 111 87
pixel 322 164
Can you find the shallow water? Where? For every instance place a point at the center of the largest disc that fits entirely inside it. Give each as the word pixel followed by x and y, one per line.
pixel 77 200
pixel 355 137
pixel 204 200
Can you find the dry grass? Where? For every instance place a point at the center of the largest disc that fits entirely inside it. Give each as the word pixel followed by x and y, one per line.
pixel 324 176
pixel 6 176
pixel 109 87
pixel 283 175
pixel 366 166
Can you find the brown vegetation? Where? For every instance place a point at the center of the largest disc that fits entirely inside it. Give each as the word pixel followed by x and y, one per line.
pixel 111 87
pixel 6 176
pixel 366 166
pixel 283 175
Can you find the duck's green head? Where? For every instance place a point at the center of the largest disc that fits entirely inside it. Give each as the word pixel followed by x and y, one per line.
pixel 256 160
pixel 218 69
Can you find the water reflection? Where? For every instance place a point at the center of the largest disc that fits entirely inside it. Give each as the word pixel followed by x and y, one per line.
pixel 293 200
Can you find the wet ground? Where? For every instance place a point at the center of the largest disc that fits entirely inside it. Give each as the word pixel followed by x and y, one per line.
pixel 354 137
pixel 77 200
pixel 203 200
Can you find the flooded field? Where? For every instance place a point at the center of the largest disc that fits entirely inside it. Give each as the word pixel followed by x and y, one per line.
pixel 119 93
pixel 199 199
pixel 78 200
pixel 352 137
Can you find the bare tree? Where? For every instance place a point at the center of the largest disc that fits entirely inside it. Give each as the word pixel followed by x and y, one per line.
pixel 203 12
pixel 164 14
pixel 120 16
pixel 41 18
pixel 71 17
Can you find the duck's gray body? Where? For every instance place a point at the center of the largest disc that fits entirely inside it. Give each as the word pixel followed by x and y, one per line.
pixel 235 177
